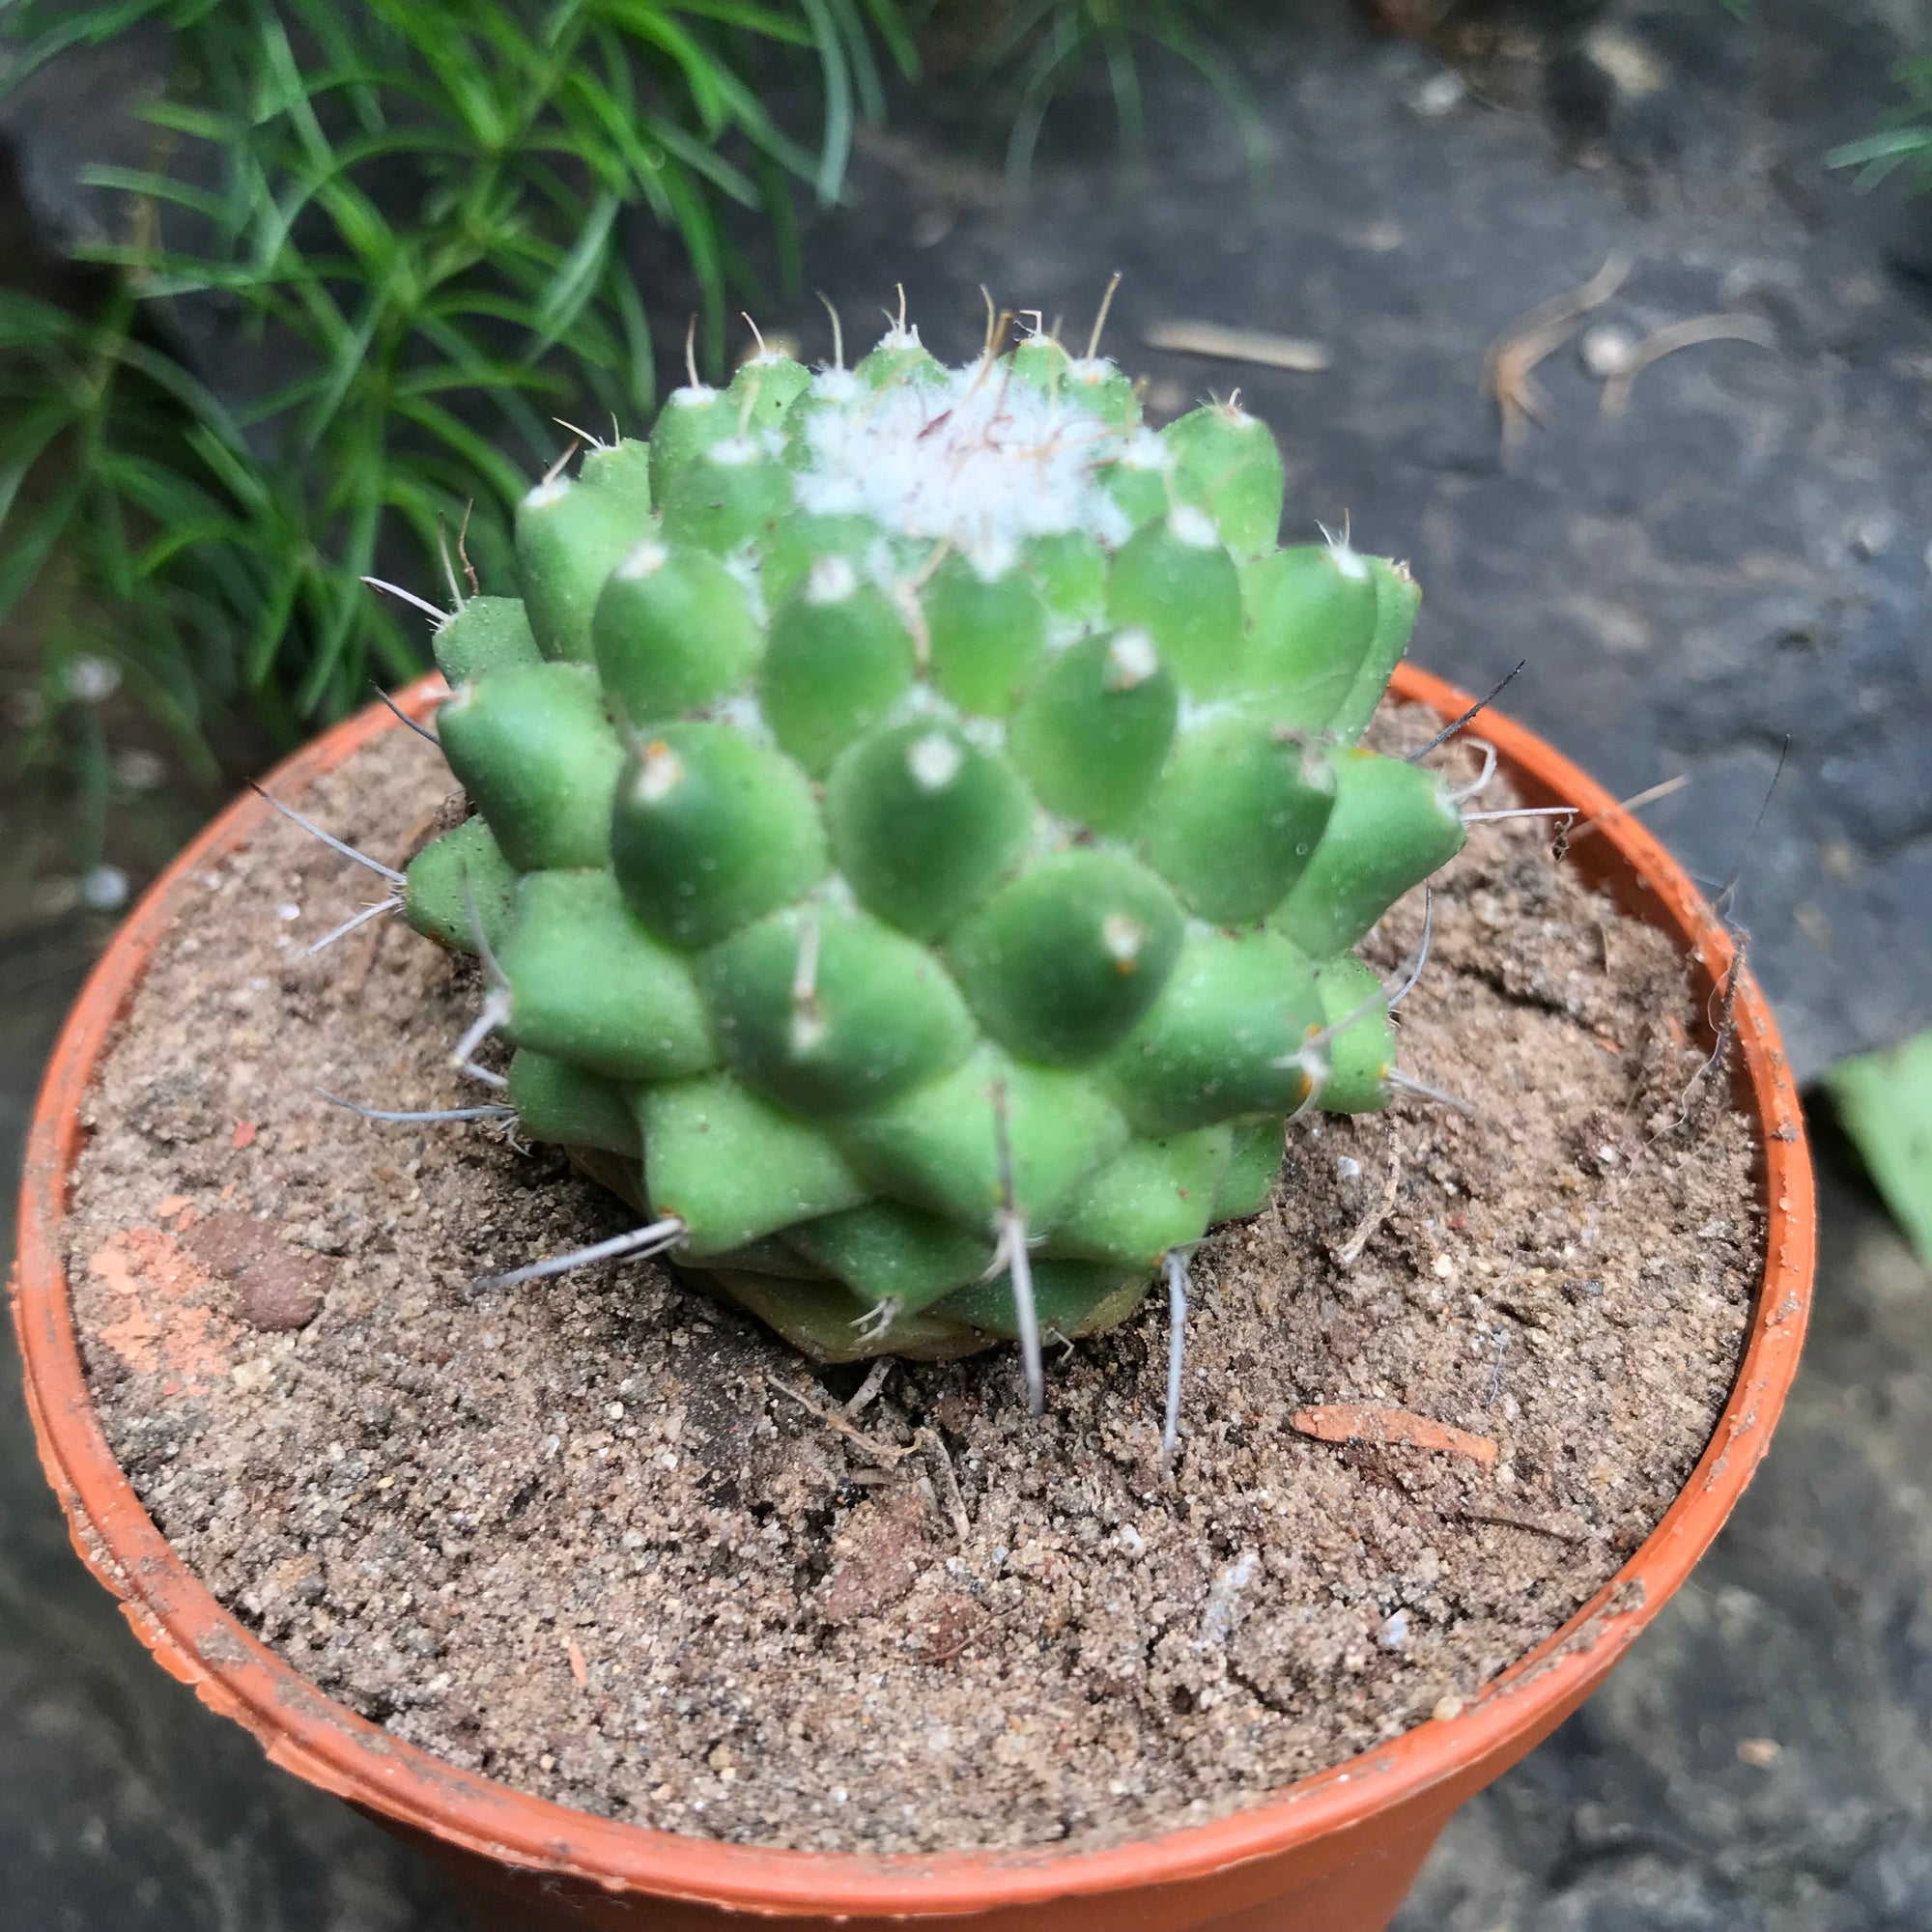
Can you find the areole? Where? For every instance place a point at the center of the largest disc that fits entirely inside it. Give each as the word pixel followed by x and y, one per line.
pixel 1333 1853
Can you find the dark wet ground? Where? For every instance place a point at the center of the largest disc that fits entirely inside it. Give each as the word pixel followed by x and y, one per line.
pixel 1743 555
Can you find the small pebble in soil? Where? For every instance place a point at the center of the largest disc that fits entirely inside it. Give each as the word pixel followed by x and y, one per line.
pixel 1606 351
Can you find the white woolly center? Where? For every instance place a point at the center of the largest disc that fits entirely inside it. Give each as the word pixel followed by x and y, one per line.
pixel 1144 450
pixel 647 560
pixel 1196 714
pixel 831 581
pixel 978 459
pixel 658 774
pixel 742 566
pixel 935 762
pixel 1123 936
pixel 741 712
pixel 1132 660
pixel 1194 528
pixel 992 559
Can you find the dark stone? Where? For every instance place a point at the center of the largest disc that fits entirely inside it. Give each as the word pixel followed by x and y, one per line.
pixel 279 1298
pixel 277 1287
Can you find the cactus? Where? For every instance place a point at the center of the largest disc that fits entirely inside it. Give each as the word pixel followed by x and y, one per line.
pixel 920 838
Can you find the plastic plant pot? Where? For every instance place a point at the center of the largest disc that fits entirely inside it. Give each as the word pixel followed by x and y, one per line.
pixel 1331 1853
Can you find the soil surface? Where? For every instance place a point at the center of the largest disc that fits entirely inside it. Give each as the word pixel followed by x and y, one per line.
pixel 614 1544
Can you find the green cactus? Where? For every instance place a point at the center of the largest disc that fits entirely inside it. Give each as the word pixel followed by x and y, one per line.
pixel 920 838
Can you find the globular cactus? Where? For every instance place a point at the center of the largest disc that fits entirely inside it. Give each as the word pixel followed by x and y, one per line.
pixel 919 837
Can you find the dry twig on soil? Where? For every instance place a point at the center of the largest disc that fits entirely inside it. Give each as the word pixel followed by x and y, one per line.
pixel 1267 350
pixel 886 1453
pixel 1678 335
pixel 1510 363
pixel 948 1481
pixel 1350 1251
pixel 1624 806
pixel 1355 1422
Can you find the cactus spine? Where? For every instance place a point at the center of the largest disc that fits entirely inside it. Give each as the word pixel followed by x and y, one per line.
pixel 919 836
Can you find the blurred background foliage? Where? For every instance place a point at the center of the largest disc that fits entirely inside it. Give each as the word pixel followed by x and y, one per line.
pixel 1029 51
pixel 404 230
pixel 1904 143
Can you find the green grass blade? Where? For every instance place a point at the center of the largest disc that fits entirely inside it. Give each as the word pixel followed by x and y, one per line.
pixel 347 365
pixel 178 117
pixel 1042 78
pixel 640 391
pixel 856 42
pixel 477 451
pixel 1250 129
pixel 890 22
pixel 482 373
pixel 644 22
pixel 764 22
pixel 700 160
pixel 703 244
pixel 836 147
pixel 31 540
pixel 1124 77
pixel 152 187
pixel 1017 28
pixel 268 634
pixel 577 279
pixel 183 535
pixel 26 442
pixel 93 28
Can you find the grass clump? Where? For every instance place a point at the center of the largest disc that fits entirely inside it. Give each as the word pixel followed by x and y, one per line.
pixel 408 240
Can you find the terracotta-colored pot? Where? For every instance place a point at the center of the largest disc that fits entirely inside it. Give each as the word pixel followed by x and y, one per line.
pixel 1333 1853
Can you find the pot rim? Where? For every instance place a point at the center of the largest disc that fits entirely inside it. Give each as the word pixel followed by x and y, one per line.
pixel 329 1745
